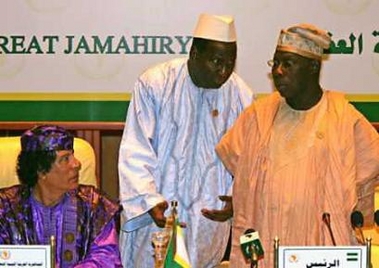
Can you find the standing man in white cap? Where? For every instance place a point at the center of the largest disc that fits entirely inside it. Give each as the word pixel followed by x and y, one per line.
pixel 179 111
pixel 300 155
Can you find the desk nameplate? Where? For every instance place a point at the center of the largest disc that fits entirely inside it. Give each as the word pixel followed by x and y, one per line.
pixel 324 257
pixel 18 256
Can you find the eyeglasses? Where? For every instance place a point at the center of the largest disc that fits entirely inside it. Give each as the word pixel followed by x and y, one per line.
pixel 285 64
pixel 270 63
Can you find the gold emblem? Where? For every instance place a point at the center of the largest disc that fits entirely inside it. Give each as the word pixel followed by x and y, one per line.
pixel 70 238
pixel 5 254
pixel 68 255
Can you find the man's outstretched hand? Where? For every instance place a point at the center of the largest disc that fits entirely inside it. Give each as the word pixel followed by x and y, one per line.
pixel 222 214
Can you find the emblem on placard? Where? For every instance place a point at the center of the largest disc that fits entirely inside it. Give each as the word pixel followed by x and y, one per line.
pixel 293 258
pixel 5 254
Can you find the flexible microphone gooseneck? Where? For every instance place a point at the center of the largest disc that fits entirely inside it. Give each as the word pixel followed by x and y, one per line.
pixel 357 220
pixel 326 220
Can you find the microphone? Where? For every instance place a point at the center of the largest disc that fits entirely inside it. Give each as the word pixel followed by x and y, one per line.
pixel 376 217
pixel 251 246
pixel 326 220
pixel 357 220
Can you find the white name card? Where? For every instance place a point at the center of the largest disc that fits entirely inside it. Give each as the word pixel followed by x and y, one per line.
pixel 323 257
pixel 24 256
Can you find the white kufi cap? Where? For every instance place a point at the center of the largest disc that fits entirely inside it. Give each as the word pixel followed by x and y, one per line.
pixel 217 28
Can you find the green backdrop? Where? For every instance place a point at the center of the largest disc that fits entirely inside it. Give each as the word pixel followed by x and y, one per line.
pixel 106 111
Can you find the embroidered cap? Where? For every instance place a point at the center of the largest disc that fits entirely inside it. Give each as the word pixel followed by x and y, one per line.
pixel 46 138
pixel 304 39
pixel 215 27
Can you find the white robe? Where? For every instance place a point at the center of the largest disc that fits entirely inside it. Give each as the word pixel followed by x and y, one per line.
pixel 167 152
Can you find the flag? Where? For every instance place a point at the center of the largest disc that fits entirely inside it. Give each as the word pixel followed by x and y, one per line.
pixel 177 256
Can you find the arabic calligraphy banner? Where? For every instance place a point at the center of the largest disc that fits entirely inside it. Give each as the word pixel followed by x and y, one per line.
pixel 68 46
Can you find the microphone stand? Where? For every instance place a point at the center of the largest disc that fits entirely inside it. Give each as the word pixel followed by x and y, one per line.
pixel 361 235
pixel 254 257
pixel 52 253
pixel 368 247
pixel 276 252
pixel 326 220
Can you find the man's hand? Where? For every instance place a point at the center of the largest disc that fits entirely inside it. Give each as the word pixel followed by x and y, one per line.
pixel 220 215
pixel 157 213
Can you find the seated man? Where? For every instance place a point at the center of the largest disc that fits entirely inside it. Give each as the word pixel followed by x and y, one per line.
pixel 50 202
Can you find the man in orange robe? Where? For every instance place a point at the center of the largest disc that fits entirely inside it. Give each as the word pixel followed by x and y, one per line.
pixel 299 153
